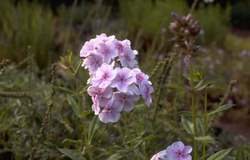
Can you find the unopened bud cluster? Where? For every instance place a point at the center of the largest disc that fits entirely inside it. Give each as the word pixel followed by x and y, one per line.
pixel 185 30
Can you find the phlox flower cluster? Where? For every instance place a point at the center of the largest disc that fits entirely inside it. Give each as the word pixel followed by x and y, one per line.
pixel 116 81
pixel 177 151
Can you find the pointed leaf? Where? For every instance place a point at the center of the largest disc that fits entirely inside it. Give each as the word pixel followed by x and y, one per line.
pixel 85 89
pixel 84 113
pixel 77 65
pixel 65 89
pixel 72 141
pixel 72 102
pixel 206 139
pixel 120 154
pixel 240 153
pixel 247 149
pixel 200 127
pixel 93 127
pixel 221 108
pixel 229 158
pixel 205 83
pixel 187 114
pixel 149 137
pixel 176 86
pixel 218 87
pixel 70 56
pixel 220 155
pixel 71 154
pixel 188 126
pixel 187 76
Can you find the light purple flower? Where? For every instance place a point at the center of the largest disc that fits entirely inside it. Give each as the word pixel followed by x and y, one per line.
pixel 111 112
pixel 125 99
pixel 146 90
pixel 133 88
pixel 103 38
pixel 108 52
pixel 140 77
pixel 87 48
pixel 123 79
pixel 103 95
pixel 104 76
pixel 127 57
pixel 92 62
pixel 95 107
pixel 160 156
pixel 177 151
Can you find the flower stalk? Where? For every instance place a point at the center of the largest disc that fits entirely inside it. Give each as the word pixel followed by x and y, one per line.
pixel 193 108
pixel 205 125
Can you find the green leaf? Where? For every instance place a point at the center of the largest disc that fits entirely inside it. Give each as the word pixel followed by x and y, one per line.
pixel 200 127
pixel 218 87
pixel 206 139
pixel 77 65
pixel 149 137
pixel 85 89
pixel 120 154
pixel 247 149
pixel 65 89
pixel 93 127
pixel 205 83
pixel 229 158
pixel 240 153
pixel 71 154
pixel 187 114
pixel 72 102
pixel 176 86
pixel 84 113
pixel 220 155
pixel 188 126
pixel 70 56
pixel 187 76
pixel 221 108
pixel 72 141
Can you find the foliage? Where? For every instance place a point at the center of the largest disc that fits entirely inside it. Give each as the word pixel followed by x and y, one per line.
pixel 23 25
pixel 214 22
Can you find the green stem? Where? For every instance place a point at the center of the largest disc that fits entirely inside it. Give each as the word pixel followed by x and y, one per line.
pixel 83 128
pixel 193 6
pixel 138 134
pixel 193 107
pixel 205 124
pixel 129 135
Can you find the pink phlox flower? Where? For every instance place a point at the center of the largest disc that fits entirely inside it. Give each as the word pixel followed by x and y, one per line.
pixel 123 79
pixel 160 156
pixel 125 99
pixel 104 76
pixel 95 107
pixel 146 90
pixel 119 45
pixel 140 77
pixel 103 38
pixel 177 151
pixel 127 58
pixel 92 62
pixel 103 95
pixel 133 88
pixel 108 51
pixel 88 48
pixel 90 78
pixel 111 112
